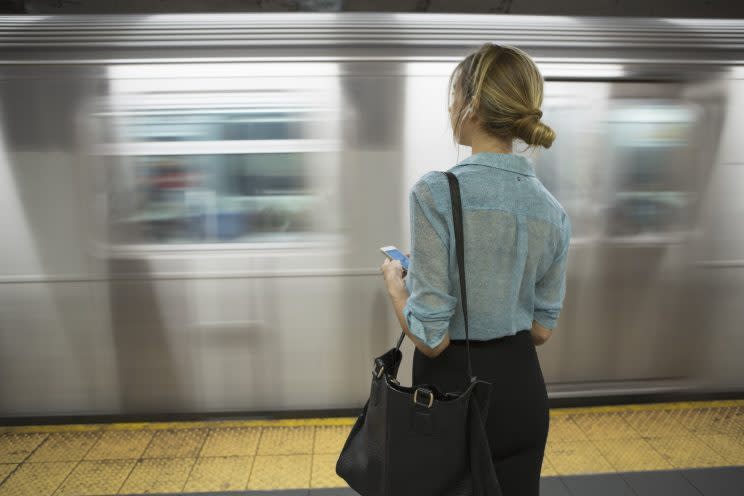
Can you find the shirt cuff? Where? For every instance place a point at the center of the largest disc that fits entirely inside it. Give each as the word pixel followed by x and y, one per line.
pixel 546 318
pixel 431 332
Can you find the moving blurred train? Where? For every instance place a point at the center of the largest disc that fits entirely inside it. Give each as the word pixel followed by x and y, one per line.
pixel 192 205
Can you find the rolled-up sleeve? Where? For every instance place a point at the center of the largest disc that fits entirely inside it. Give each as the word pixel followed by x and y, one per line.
pixel 551 288
pixel 430 305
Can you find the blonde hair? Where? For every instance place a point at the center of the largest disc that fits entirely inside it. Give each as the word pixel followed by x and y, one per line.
pixel 502 86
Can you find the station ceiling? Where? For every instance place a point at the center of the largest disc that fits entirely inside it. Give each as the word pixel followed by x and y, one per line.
pixel 641 8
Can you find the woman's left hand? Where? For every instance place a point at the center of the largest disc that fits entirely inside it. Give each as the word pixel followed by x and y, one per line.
pixel 392 270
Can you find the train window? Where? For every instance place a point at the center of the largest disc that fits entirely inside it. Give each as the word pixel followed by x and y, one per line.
pixel 651 178
pixel 623 167
pixel 247 154
pixel 211 198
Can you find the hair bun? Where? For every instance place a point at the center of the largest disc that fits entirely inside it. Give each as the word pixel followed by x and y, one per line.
pixel 532 131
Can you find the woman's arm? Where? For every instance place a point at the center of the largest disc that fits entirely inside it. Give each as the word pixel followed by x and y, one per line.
pixel 423 303
pixel 399 296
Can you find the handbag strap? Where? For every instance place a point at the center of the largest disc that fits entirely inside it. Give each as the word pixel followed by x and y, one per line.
pixel 454 187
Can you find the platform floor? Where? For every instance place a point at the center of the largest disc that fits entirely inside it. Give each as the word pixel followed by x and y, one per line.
pixel 690 448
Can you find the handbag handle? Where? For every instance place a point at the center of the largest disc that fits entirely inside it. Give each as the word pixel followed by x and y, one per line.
pixel 454 187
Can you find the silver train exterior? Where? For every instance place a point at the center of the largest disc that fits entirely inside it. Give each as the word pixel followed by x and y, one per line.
pixel 192 205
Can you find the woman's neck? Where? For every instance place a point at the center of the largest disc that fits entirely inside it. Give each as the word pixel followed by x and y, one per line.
pixel 481 142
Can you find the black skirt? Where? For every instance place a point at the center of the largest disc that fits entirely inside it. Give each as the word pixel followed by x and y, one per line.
pixel 518 420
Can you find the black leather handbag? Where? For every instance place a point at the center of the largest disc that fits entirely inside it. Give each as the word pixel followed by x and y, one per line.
pixel 420 441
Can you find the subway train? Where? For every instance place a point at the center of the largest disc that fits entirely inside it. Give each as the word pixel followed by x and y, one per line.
pixel 192 205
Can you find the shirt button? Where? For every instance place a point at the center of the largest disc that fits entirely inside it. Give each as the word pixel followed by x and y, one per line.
pixel 519 178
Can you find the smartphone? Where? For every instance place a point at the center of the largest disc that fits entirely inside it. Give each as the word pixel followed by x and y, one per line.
pixel 395 254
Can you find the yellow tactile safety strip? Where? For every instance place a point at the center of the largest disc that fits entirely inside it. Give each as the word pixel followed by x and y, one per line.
pixel 206 456
pixel 99 477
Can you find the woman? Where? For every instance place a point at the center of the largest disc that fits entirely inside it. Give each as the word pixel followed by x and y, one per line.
pixel 516 245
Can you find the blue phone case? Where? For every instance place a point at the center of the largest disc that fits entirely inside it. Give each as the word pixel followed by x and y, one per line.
pixel 397 255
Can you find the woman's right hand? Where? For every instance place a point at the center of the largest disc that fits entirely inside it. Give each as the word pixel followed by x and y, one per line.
pixel 539 333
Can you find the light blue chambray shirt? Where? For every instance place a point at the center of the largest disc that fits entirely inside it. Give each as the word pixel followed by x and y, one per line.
pixel 516 245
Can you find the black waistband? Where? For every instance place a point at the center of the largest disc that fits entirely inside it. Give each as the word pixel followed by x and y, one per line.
pixel 486 342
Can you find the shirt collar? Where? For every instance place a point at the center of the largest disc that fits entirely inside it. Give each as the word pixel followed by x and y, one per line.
pixel 506 161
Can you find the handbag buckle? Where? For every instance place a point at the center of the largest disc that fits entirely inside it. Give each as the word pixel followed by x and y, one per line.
pixel 377 372
pixel 431 397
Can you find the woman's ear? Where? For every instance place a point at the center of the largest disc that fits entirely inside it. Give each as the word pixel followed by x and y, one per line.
pixel 469 126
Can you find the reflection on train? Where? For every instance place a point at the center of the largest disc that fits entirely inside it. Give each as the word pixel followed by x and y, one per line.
pixel 199 231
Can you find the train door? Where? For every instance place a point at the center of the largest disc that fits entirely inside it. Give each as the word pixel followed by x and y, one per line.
pixel 629 168
pixel 218 222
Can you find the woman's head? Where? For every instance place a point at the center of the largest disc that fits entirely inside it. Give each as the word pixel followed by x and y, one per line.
pixel 498 90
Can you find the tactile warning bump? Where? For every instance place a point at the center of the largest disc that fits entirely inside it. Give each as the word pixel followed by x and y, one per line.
pixel 577 457
pixel 738 414
pixel 158 475
pixel 36 479
pixel 219 474
pixel 686 451
pixel 280 472
pixel 6 469
pixel 605 426
pixel 65 447
pixel 719 420
pixel 729 446
pixel 630 455
pixel 231 441
pixel 96 478
pixel 15 448
pixel 564 428
pixel 656 423
pixel 330 438
pixel 324 472
pixel 120 445
pixel 547 468
pixel 177 443
pixel 286 440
